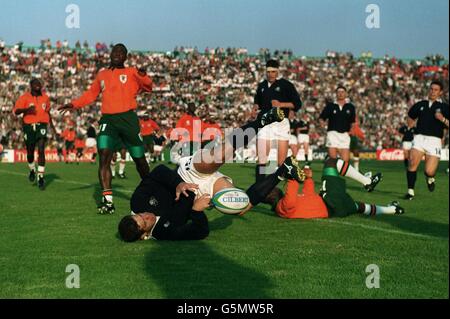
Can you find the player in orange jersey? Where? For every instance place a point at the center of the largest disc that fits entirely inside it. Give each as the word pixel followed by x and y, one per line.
pixel 35 107
pixel 119 86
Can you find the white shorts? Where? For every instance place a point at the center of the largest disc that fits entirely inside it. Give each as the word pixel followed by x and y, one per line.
pixel 91 142
pixel 292 140
pixel 158 148
pixel 407 146
pixel 278 131
pixel 303 138
pixel 430 145
pixel 338 140
pixel 205 182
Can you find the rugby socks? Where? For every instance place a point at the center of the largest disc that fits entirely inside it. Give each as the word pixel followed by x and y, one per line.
pixel 259 190
pixel 32 166
pixel 306 157
pixel 345 169
pixel 356 163
pixel 373 210
pixel 107 194
pixel 41 170
pixel 411 178
pixel 405 162
pixel 113 168
pixel 121 166
pixel 260 172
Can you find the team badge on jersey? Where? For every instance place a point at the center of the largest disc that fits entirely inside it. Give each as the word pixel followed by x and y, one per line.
pixel 277 89
pixel 123 78
pixel 44 106
pixel 153 201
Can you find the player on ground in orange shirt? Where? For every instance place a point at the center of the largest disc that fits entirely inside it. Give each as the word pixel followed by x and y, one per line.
pixel 333 201
pixel 119 86
pixel 35 107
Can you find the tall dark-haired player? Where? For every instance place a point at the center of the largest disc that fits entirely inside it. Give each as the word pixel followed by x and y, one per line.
pixel 430 117
pixel 119 86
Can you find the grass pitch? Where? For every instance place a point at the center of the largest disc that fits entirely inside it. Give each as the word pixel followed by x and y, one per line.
pixel 255 256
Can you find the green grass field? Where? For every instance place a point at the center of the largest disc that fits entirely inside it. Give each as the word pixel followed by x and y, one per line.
pixel 255 256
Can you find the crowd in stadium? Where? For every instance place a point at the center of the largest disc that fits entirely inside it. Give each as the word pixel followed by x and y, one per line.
pixel 222 83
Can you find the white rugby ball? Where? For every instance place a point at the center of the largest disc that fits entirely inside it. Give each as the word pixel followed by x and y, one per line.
pixel 230 201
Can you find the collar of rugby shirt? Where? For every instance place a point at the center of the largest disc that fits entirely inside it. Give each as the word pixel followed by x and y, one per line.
pixel 270 85
pixel 431 103
pixel 151 231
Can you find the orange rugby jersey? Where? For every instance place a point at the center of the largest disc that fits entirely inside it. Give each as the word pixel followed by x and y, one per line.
pixel 79 143
pixel 188 122
pixel 119 88
pixel 68 135
pixel 42 105
pixel 148 127
pixel 305 205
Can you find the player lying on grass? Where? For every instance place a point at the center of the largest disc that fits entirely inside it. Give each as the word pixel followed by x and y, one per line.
pixel 333 201
pixel 160 213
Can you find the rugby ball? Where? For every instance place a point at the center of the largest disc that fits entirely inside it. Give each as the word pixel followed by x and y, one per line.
pixel 230 201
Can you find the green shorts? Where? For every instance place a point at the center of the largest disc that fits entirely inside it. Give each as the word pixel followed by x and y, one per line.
pixel 34 132
pixel 354 143
pixel 121 128
pixel 148 139
pixel 334 194
pixel 70 145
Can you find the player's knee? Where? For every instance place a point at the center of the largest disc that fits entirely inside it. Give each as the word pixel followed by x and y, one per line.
pixel 330 162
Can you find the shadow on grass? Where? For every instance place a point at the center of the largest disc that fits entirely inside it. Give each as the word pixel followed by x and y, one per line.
pixel 376 190
pixel 191 269
pixel 50 178
pixel 97 193
pixel 416 226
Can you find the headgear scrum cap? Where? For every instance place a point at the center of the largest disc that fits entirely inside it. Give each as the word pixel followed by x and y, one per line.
pixel 272 65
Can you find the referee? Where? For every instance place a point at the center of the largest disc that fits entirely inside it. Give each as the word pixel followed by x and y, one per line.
pixel 274 91
pixel 431 119
pixel 341 117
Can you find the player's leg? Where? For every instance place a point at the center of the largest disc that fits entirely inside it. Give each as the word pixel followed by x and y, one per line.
pixel 345 169
pixel 411 174
pixel 210 159
pixel 356 159
pixel 41 163
pixel 294 145
pixel 332 152
pixel 113 163
pixel 122 162
pixel 105 178
pixel 405 157
pixel 431 166
pixel 344 154
pixel 257 193
pixel 30 144
pixel 393 208
pixel 306 149
pixel 283 147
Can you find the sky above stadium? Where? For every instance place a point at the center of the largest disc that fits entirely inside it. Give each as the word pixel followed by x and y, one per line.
pixel 406 28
